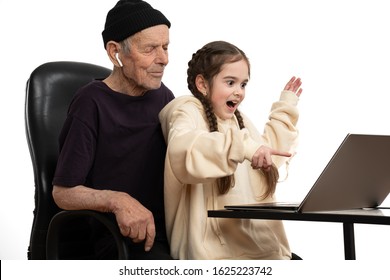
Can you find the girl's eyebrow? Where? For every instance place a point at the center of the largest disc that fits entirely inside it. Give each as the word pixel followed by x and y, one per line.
pixel 230 77
pixel 234 78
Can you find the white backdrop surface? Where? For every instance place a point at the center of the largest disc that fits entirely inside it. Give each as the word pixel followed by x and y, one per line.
pixel 340 49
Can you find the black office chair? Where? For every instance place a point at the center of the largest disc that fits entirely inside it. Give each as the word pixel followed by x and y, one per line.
pixel 58 234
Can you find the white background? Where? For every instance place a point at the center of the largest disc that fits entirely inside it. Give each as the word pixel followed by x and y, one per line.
pixel 340 49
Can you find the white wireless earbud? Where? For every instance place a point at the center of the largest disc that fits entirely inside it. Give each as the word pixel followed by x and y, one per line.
pixel 119 61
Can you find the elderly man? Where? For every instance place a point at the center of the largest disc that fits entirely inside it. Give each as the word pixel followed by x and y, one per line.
pixel 112 148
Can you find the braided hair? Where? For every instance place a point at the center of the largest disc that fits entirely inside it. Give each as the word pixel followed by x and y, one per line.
pixel 208 62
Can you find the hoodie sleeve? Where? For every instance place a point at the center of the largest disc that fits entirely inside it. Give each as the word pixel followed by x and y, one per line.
pixel 280 131
pixel 197 155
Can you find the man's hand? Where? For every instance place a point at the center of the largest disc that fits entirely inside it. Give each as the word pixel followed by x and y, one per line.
pixel 134 220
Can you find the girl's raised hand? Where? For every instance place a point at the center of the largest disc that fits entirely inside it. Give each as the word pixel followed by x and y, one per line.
pixel 294 85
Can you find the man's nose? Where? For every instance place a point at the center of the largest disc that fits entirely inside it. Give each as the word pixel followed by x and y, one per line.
pixel 162 56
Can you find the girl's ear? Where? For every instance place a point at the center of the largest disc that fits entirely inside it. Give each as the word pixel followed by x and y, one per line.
pixel 201 84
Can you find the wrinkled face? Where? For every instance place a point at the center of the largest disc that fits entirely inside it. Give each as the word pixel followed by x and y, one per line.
pixel 148 56
pixel 228 89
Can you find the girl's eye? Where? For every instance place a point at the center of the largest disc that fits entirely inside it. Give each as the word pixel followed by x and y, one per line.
pixel 230 83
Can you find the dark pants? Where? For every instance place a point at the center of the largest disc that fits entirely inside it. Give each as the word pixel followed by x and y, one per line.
pixel 105 249
pixel 105 246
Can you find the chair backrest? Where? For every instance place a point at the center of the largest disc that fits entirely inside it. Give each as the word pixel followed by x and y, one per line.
pixel 49 91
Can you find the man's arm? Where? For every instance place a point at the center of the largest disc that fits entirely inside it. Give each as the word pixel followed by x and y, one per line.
pixel 134 220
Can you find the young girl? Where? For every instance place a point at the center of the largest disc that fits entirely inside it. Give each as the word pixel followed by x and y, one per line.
pixel 217 157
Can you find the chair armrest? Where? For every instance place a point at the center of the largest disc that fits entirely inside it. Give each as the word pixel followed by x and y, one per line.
pixel 63 218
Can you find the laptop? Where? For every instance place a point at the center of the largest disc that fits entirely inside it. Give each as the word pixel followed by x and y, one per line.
pixel 357 176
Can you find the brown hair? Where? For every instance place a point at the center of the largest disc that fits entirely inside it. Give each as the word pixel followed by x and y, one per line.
pixel 208 62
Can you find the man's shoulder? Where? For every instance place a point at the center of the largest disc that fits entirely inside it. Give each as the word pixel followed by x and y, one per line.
pixel 166 90
pixel 91 88
pixel 90 91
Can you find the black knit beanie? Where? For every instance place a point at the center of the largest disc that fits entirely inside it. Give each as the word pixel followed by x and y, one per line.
pixel 129 17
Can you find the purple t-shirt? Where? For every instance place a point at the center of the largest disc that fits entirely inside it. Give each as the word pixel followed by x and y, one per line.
pixel 114 141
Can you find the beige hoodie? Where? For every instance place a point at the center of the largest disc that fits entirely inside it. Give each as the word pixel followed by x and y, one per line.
pixel 196 157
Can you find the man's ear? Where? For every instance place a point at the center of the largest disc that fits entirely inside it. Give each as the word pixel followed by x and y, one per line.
pixel 113 49
pixel 201 84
